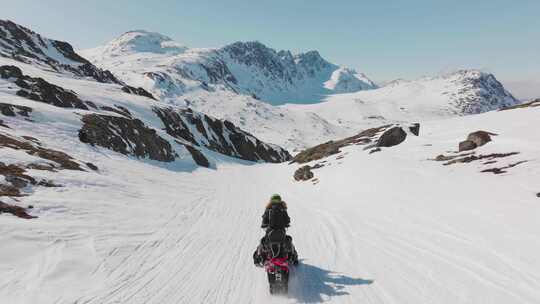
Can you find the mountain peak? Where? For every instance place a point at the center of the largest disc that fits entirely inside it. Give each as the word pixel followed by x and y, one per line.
pixel 142 41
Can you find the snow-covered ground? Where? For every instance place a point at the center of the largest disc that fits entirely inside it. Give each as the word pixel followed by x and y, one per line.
pixel 389 227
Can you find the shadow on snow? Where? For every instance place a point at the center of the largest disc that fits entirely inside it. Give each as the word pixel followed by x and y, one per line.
pixel 311 284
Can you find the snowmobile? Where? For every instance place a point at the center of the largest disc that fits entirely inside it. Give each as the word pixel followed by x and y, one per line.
pixel 278 255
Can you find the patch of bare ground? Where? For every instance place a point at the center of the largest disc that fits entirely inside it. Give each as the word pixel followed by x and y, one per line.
pixel 530 104
pixel 17 179
pixel 471 157
pixel 503 169
pixel 15 210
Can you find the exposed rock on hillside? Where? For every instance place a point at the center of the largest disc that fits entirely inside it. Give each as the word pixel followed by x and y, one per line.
pixel 218 135
pixel 126 136
pixel 22 44
pixel 137 91
pixel 333 147
pixel 530 104
pixel 14 110
pixel 15 210
pixel 383 136
pixel 198 156
pixel 38 89
pixel 18 181
pixel 60 160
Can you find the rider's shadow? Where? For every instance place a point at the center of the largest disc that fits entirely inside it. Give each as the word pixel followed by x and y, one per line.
pixel 312 284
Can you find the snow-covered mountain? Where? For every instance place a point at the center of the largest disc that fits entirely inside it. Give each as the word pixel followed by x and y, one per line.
pixel 24 45
pixel 107 112
pixel 171 70
pixel 240 82
pixel 459 93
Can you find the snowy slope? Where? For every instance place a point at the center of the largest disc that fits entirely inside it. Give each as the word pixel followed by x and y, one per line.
pixel 250 68
pixel 390 227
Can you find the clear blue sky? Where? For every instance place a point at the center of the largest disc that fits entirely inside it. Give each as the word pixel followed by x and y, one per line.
pixel 385 39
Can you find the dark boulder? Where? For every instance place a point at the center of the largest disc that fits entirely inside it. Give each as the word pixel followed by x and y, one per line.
pixel 415 129
pixel 480 138
pixel 303 173
pixel 126 136
pixel 467 145
pixel 392 137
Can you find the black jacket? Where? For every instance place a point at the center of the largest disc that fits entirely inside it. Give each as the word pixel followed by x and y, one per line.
pixel 282 206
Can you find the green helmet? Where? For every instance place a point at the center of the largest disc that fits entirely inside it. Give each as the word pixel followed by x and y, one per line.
pixel 275 198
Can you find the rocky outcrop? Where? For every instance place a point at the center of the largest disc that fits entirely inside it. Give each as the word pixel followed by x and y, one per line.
pixel 60 160
pixel 22 44
pixel 392 137
pixel 17 181
pixel 303 173
pixel 530 104
pixel 333 147
pixel 137 91
pixel 15 210
pixel 198 156
pixel 218 135
pixel 38 89
pixel 126 136
pixel 14 110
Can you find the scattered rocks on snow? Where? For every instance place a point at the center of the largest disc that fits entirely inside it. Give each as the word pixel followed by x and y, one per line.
pixel 303 173
pixel 503 169
pixel 472 157
pixel 126 136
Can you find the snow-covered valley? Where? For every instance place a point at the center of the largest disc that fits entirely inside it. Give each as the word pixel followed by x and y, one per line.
pixel 122 187
pixel 390 227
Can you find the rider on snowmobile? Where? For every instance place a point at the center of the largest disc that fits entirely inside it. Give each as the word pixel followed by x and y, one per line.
pixel 275 219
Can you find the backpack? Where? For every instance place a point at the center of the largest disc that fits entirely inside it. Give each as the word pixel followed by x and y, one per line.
pixel 277 217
